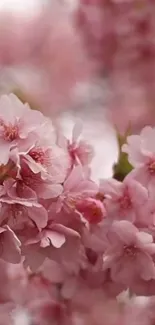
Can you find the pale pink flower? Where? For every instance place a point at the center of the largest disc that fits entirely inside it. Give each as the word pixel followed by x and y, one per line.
pixel 141 154
pixel 9 245
pixel 17 190
pixel 146 217
pixel 44 188
pixel 48 159
pixel 124 200
pixel 54 241
pixel 77 186
pixel 129 253
pixel 55 235
pixel 18 211
pixel 17 122
pixel 80 151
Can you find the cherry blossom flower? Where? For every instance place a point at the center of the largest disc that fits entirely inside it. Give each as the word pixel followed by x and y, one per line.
pixel 17 122
pixel 129 254
pixel 51 161
pixel 76 245
pixel 124 200
pixel 18 211
pixel 141 152
pixel 44 188
pixel 80 151
pixel 76 186
pixel 19 214
pixel 52 242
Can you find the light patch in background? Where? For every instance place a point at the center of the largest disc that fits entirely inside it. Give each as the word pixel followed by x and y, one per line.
pixel 100 134
pixel 21 317
pixel 20 6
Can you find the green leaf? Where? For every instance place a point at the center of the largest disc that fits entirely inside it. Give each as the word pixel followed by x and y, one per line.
pixel 25 98
pixel 122 168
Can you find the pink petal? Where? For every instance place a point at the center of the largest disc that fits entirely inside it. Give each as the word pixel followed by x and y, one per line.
pixel 69 288
pixel 138 193
pixel 86 187
pixel 34 257
pixel 10 247
pixel 143 238
pixel 11 108
pixel 5 152
pixel 56 238
pixel 147 135
pixel 77 130
pixel 146 266
pixel 111 187
pixel 75 177
pixel 48 191
pixel 125 231
pixel 65 230
pixel 39 216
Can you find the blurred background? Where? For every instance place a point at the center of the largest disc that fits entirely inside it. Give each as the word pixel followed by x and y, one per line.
pixel 82 59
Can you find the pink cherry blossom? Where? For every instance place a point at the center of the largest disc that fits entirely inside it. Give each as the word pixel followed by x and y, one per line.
pixel 44 188
pixel 77 186
pixel 51 161
pixel 129 254
pixel 18 211
pixel 77 245
pixel 141 153
pixel 124 200
pixel 19 215
pixel 17 122
pixel 55 235
pixel 80 151
pixel 54 242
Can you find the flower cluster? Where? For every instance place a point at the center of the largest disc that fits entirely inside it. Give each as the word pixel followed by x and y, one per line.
pixel 75 245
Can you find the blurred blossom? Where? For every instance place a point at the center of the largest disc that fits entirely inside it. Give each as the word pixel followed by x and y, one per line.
pixel 77 246
pixel 47 52
pixel 119 37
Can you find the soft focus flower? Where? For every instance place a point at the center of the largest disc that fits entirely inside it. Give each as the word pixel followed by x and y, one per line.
pixel 17 123
pixel 119 38
pixel 45 56
pixel 77 186
pixel 124 200
pixel 80 151
pixel 129 253
pixel 141 152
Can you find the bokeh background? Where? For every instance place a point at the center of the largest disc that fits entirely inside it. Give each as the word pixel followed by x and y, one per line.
pixel 82 59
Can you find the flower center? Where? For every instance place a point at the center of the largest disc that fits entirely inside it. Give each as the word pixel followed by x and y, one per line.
pixel 38 155
pixel 151 167
pixel 10 132
pixel 130 251
pixel 100 196
pixel 125 202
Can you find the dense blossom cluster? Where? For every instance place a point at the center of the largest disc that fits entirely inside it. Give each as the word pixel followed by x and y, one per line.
pixel 74 246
